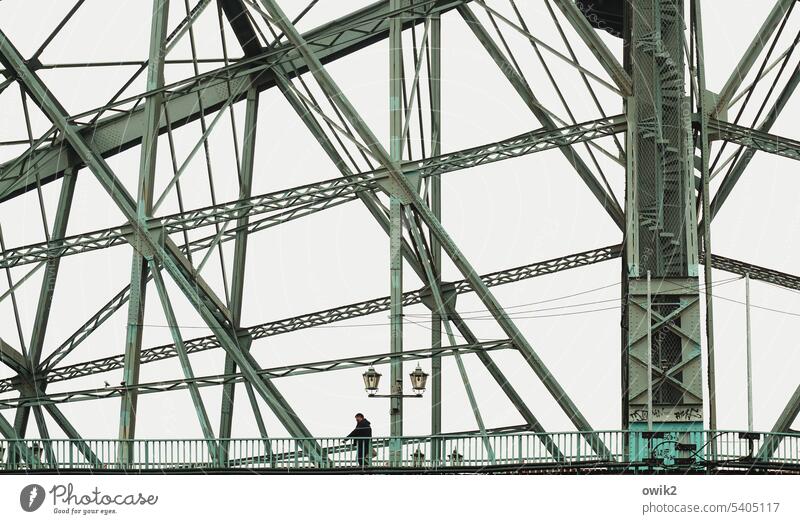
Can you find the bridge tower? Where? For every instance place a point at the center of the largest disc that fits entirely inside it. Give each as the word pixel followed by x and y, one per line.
pixel 661 238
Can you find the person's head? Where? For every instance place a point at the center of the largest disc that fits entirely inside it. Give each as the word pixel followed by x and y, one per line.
pixel 359 417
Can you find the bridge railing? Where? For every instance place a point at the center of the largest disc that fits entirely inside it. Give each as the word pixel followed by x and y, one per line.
pixel 622 449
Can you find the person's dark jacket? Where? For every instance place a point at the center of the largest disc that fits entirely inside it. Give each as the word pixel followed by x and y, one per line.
pixel 363 429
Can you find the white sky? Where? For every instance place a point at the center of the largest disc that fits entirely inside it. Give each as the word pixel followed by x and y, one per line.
pixel 501 215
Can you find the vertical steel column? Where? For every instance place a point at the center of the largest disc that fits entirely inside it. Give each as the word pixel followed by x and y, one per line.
pixel 237 284
pixel 705 155
pixel 749 355
pixel 435 47
pixel 46 292
pixel 396 230
pixel 649 354
pixel 661 235
pixel 147 167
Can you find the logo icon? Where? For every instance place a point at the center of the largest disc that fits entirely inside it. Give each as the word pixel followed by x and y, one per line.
pixel 31 497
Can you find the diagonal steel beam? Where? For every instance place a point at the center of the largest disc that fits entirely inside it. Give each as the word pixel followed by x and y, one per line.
pixel 409 298
pixel 404 191
pixel 238 18
pixel 782 425
pixel 441 310
pixel 30 386
pixel 13 359
pixel 70 431
pixel 763 274
pixel 374 207
pixel 755 139
pixel 20 449
pixel 525 92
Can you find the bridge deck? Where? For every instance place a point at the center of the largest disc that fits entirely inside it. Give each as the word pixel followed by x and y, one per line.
pixel 527 452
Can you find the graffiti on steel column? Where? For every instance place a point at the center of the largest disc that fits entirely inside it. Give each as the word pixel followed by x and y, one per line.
pixel 689 413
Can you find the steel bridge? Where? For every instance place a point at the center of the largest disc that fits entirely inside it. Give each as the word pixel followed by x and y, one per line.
pixel 670 140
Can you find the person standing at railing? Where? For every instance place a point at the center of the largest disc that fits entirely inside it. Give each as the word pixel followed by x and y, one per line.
pixel 360 435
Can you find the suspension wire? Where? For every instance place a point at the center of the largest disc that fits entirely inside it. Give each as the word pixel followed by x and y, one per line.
pixel 515 315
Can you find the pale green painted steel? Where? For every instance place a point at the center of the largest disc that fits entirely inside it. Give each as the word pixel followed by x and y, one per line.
pixel 731 178
pixel 342 313
pixel 435 88
pixel 239 265
pixel 396 83
pixel 46 296
pixel 596 46
pixel 705 154
pixel 668 168
pixel 441 310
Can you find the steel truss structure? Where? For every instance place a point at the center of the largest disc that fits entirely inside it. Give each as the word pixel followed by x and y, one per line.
pixel 664 140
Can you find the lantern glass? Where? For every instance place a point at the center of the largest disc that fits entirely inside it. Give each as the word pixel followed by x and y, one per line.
pixel 418 380
pixel 371 380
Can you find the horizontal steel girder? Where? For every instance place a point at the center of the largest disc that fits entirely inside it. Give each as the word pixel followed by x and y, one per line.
pixel 329 316
pixel 311 198
pixel 271 373
pixel 112 135
pixel 756 272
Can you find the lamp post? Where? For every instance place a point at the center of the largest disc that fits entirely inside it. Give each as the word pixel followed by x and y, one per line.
pixel 418 381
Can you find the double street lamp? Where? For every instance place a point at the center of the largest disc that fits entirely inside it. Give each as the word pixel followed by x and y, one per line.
pixel 418 380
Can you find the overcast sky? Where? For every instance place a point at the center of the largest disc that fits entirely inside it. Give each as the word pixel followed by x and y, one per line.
pixel 501 215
